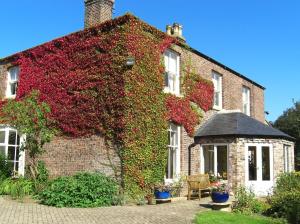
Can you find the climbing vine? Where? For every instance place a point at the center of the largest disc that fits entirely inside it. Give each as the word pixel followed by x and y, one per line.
pixel 84 79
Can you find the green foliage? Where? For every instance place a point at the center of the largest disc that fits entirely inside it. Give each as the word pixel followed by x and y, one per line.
pixel 246 203
pixel 30 116
pixel 42 179
pixel 215 217
pixel 5 167
pixel 145 137
pixel 287 182
pixel 289 122
pixel 80 190
pixel 17 188
pixel 285 202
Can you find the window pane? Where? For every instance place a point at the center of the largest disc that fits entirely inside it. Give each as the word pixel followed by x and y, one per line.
pixel 172 151
pixel 14 73
pixel 171 163
pixel 286 158
pixel 173 63
pixel 2 136
pixel 222 161
pixel 12 137
pixel 11 153
pixel 17 154
pixel 13 88
pixel 18 139
pixel 16 169
pixel 166 78
pixel 208 152
pixel 2 150
pixel 216 99
pixel 252 163
pixel 265 163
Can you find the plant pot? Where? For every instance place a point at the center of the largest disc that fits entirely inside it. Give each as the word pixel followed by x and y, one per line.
pixel 162 194
pixel 219 197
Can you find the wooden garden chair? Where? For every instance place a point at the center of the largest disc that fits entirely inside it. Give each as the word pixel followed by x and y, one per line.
pixel 199 182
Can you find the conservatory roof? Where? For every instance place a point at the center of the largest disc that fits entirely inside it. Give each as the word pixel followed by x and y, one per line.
pixel 239 125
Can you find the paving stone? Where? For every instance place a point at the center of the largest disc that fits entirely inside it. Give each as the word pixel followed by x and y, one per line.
pixel 178 212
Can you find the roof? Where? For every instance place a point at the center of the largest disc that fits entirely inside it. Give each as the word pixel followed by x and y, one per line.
pixel 127 17
pixel 239 125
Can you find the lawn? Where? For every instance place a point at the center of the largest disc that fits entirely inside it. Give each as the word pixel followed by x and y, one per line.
pixel 214 217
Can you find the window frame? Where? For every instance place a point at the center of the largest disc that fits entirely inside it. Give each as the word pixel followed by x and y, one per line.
pixel 215 148
pixel 217 86
pixel 176 76
pixel 11 82
pixel 176 170
pixel 286 158
pixel 246 100
pixel 6 145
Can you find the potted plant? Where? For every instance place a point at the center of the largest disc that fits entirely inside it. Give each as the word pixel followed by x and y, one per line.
pixel 219 192
pixel 162 191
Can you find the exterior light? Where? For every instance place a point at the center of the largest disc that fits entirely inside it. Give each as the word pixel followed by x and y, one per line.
pixel 130 61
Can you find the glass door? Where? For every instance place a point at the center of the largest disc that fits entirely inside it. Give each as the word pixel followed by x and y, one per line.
pixel 259 168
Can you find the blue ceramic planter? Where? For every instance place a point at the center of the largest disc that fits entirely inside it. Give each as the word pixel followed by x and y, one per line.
pixel 219 197
pixel 162 195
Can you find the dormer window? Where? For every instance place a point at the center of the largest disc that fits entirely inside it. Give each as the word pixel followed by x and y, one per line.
pixel 172 81
pixel 12 82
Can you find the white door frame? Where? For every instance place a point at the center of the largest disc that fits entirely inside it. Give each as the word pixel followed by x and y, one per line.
pixel 260 187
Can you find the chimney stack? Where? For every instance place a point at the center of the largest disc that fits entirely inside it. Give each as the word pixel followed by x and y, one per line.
pixel 97 12
pixel 175 30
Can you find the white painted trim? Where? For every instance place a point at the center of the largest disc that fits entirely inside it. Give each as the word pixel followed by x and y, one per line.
pixel 177 75
pixel 21 168
pixel 178 163
pixel 8 94
pixel 220 107
pixel 260 187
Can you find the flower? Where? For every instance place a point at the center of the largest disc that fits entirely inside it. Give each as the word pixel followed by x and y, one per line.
pixel 220 186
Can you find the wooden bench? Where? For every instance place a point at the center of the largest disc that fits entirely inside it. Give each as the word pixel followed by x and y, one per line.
pixel 199 182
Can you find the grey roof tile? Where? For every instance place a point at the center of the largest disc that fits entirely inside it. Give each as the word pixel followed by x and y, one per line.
pixel 237 124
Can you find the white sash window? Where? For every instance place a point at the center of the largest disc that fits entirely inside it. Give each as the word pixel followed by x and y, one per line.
pixel 12 82
pixel 171 78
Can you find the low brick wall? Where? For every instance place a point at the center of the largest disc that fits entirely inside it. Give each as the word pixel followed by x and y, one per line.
pixel 65 156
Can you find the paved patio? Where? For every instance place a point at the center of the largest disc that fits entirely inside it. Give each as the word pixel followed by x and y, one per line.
pixel 177 212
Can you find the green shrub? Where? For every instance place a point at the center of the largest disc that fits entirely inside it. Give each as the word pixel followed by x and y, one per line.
pixel 287 182
pixel 246 202
pixel 5 167
pixel 285 202
pixel 42 179
pixel 80 190
pixel 17 188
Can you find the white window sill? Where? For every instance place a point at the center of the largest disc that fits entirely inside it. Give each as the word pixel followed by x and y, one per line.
pixel 217 108
pixel 10 97
pixel 166 90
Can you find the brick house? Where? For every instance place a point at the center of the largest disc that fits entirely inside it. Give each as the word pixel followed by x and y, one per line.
pixel 233 141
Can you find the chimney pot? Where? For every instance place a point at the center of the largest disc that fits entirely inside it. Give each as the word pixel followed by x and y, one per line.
pixel 169 29
pixel 175 31
pixel 97 12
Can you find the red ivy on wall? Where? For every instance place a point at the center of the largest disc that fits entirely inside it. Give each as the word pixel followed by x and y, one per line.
pixel 180 112
pixel 195 89
pixel 84 79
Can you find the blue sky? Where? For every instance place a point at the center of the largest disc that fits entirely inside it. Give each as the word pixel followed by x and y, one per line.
pixel 260 39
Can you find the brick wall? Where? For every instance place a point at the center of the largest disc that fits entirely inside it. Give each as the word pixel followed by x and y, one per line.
pixel 3 78
pixel 65 156
pixel 231 84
